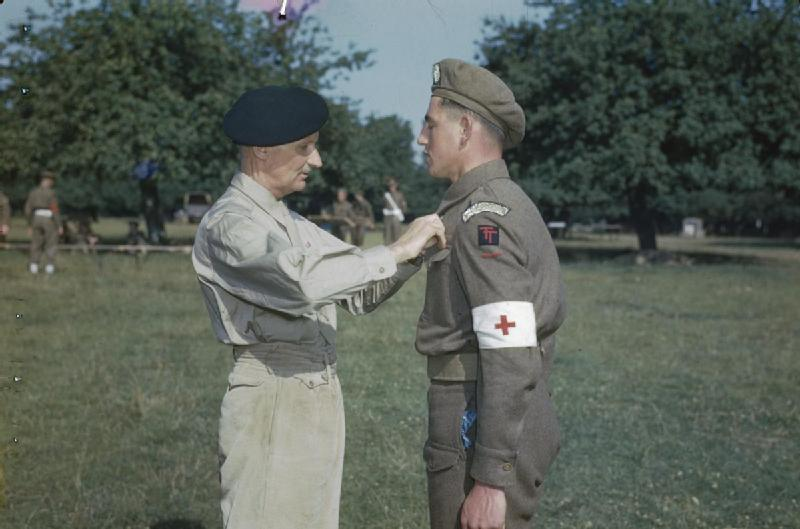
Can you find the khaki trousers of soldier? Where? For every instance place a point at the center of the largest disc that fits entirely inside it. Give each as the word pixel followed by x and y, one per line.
pixel 358 234
pixel 281 445
pixel 44 239
pixel 392 229
pixel 448 463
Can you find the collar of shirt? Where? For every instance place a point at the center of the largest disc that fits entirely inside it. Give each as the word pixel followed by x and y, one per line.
pixel 471 181
pixel 264 199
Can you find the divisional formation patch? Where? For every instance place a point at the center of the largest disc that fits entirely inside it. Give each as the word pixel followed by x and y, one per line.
pixel 488 235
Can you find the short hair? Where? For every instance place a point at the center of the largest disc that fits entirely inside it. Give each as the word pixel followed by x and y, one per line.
pixel 456 110
pixel 47 174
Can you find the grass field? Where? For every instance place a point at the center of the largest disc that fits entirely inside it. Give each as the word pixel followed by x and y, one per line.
pixel 677 387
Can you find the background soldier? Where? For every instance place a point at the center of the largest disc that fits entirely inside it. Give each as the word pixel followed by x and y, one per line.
pixel 41 210
pixel 493 302
pixel 344 219
pixel 5 216
pixel 394 210
pixel 365 219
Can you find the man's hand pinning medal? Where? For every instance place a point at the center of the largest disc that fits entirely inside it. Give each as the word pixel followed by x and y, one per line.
pixel 420 234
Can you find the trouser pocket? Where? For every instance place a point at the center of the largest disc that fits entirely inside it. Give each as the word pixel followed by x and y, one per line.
pixel 439 458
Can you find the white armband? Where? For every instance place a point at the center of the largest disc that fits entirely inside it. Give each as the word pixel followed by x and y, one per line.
pixel 505 324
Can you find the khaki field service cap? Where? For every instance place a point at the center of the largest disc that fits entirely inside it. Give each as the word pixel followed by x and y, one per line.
pixel 483 92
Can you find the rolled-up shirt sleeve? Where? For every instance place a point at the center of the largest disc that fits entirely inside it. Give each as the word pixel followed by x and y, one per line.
pixel 262 268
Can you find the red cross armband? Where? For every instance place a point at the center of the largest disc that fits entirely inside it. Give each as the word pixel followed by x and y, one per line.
pixel 505 324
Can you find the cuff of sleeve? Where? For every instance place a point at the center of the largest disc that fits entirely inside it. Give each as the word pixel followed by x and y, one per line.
pixel 406 270
pixel 381 262
pixel 493 467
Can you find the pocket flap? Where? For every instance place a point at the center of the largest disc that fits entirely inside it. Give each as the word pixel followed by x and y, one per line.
pixel 441 255
pixel 439 457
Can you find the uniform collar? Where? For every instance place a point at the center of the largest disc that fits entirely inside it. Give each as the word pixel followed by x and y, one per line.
pixel 472 180
pixel 265 200
pixel 259 194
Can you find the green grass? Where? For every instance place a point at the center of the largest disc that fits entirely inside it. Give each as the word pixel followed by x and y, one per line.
pixel 676 387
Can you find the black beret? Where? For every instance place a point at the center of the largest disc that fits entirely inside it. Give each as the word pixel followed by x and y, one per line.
pixel 274 115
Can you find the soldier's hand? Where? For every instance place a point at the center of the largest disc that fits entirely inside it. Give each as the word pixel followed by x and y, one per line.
pixel 421 232
pixel 484 508
pixel 4 229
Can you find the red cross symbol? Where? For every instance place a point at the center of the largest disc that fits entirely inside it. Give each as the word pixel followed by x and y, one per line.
pixel 504 324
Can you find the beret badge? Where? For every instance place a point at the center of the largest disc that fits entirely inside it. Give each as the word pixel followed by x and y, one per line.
pixel 436 74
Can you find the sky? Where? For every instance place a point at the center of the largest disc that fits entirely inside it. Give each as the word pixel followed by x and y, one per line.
pixel 407 37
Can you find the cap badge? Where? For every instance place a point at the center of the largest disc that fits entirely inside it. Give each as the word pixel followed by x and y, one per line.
pixel 436 74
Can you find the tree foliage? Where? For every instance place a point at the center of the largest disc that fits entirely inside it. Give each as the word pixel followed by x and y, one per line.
pixel 129 80
pixel 657 109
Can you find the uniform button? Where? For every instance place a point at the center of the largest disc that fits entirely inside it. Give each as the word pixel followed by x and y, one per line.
pixel 308 245
pixel 311 384
pixel 381 269
pixel 507 467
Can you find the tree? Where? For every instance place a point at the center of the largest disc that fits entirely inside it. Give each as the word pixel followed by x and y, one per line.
pixel 636 105
pixel 130 80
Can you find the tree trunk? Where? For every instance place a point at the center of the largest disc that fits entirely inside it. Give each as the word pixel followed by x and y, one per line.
pixel 643 219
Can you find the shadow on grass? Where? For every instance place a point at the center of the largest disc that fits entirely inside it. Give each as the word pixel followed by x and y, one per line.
pixel 178 524
pixel 627 257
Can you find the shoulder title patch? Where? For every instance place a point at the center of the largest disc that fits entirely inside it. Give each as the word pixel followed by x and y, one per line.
pixel 484 207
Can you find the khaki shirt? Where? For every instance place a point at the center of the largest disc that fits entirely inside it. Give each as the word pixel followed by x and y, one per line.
pixel 363 212
pixel 495 297
pixel 5 210
pixel 41 198
pixel 268 275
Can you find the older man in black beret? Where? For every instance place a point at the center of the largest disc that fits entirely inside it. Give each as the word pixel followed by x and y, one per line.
pixel 492 307
pixel 271 281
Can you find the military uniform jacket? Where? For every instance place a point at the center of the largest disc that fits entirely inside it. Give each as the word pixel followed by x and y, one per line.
pixel 41 198
pixel 363 212
pixel 494 298
pixel 343 210
pixel 268 275
pixel 399 200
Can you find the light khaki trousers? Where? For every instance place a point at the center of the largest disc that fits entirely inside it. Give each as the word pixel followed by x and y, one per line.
pixel 392 229
pixel 44 240
pixel 281 446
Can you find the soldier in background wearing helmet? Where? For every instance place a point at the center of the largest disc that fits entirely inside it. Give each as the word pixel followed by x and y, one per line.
pixel 494 300
pixel 41 210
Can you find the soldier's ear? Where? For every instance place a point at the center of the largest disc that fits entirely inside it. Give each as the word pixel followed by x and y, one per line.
pixel 465 128
pixel 262 153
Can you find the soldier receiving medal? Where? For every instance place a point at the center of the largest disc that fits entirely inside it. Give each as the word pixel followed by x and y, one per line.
pixel 493 302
